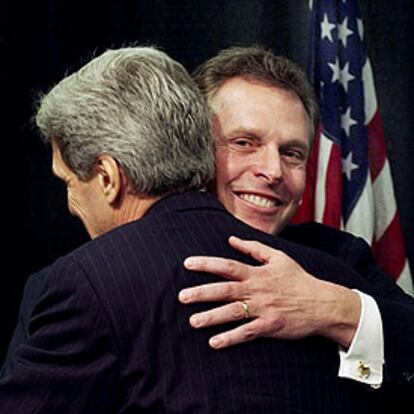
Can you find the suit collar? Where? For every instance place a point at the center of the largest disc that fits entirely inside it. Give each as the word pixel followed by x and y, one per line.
pixel 186 201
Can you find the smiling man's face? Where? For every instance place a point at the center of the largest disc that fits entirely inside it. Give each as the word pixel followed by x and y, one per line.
pixel 262 144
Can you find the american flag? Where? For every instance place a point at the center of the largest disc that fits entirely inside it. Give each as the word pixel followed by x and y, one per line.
pixel 349 179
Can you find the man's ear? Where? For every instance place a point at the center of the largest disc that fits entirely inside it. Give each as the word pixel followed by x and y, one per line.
pixel 110 178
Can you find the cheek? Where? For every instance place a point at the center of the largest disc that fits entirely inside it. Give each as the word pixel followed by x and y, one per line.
pixel 222 169
pixel 296 184
pixel 229 167
pixel 73 204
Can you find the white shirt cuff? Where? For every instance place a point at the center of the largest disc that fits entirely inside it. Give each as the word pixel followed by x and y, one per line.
pixel 363 362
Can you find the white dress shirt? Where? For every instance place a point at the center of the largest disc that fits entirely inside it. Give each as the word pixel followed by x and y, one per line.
pixel 363 361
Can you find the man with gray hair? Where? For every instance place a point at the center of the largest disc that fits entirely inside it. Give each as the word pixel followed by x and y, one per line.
pixel 128 131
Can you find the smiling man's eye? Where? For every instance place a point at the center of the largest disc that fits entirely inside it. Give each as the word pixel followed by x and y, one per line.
pixel 243 142
pixel 294 154
pixel 294 157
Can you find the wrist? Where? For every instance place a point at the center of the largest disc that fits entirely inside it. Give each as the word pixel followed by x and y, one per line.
pixel 343 313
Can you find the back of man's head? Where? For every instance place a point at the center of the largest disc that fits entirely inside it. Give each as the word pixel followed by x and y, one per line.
pixel 257 64
pixel 138 106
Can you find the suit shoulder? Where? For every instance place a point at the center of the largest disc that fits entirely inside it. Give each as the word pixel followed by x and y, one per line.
pixel 35 284
pixel 353 250
pixel 312 229
pixel 320 237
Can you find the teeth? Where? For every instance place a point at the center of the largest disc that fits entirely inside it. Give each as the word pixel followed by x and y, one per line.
pixel 258 201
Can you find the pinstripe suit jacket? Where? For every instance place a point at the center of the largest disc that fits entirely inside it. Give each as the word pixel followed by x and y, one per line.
pixel 106 332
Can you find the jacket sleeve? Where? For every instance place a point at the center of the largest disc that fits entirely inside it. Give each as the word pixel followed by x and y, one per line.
pixel 396 307
pixel 32 291
pixel 67 359
pixel 397 312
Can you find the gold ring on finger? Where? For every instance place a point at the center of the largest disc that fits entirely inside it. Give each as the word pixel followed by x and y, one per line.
pixel 246 313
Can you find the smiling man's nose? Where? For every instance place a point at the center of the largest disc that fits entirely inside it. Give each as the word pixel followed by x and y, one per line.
pixel 269 165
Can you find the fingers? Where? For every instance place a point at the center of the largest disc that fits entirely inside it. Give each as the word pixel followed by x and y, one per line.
pixel 231 312
pixel 241 334
pixel 232 269
pixel 211 292
pixel 228 313
pixel 229 269
pixel 257 250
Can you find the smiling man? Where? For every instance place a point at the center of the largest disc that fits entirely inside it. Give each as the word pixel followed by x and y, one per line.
pixel 262 140
pixel 265 115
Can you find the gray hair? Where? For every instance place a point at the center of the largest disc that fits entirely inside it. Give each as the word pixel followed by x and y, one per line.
pixel 140 107
pixel 257 64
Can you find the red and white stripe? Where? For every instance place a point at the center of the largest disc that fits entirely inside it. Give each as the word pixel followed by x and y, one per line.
pixel 375 216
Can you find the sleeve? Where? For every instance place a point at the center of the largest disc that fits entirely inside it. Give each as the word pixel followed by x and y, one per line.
pixel 395 306
pixel 364 359
pixel 396 309
pixel 32 291
pixel 68 362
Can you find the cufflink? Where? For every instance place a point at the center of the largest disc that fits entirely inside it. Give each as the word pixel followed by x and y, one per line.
pixel 408 376
pixel 363 370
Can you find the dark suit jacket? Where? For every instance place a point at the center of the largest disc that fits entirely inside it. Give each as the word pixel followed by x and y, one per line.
pixel 106 333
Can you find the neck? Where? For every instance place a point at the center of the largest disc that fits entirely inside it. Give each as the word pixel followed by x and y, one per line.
pixel 133 207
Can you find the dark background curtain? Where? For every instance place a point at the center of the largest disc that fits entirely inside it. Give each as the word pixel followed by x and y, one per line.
pixel 41 41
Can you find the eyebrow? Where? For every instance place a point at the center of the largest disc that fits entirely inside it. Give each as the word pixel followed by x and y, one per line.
pixel 248 132
pixel 296 142
pixel 256 133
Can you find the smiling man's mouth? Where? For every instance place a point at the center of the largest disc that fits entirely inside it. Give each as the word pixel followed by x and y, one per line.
pixel 258 200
